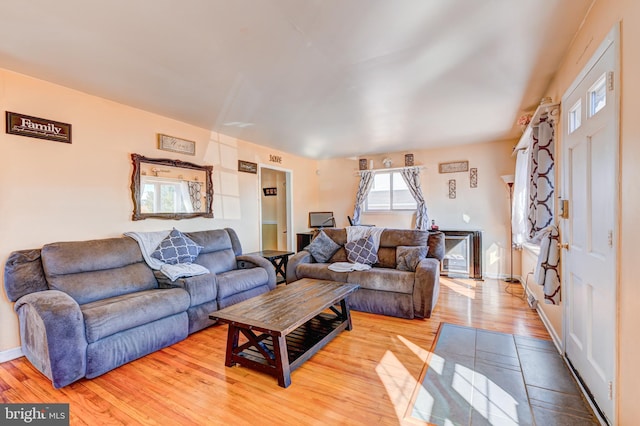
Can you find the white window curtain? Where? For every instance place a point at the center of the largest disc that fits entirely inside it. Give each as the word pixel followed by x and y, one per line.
pixel 411 177
pixel 542 179
pixel 366 182
pixel 520 198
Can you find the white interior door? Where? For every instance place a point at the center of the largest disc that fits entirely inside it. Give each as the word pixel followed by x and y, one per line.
pixel 590 184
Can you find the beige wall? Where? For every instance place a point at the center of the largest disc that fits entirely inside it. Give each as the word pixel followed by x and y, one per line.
pixel 484 208
pixel 601 19
pixel 53 191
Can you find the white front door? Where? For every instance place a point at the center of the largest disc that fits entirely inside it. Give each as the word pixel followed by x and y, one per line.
pixel 590 184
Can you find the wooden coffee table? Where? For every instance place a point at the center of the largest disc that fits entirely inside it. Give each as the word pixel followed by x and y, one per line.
pixel 285 327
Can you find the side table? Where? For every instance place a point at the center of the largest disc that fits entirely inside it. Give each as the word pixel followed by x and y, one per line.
pixel 278 259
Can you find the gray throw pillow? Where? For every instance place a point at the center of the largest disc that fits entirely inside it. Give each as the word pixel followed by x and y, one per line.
pixel 408 257
pixel 322 248
pixel 362 251
pixel 176 248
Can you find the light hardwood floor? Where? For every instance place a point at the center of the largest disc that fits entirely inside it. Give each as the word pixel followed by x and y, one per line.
pixel 366 376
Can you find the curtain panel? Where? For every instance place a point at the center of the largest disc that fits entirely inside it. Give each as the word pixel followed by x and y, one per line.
pixel 411 177
pixel 541 179
pixel 366 182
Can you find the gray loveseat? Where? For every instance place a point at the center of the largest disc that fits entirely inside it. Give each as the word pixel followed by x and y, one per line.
pixel 384 289
pixel 87 307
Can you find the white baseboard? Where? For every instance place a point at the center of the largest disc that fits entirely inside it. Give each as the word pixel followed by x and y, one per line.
pixel 10 354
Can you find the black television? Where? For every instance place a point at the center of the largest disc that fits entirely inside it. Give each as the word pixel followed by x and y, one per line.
pixel 321 219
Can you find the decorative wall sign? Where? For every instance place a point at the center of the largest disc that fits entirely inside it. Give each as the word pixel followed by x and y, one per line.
pixel 454 167
pixel 275 159
pixel 473 177
pixel 363 164
pixel 247 167
pixel 270 191
pixel 408 160
pixel 173 144
pixel 34 127
pixel 452 188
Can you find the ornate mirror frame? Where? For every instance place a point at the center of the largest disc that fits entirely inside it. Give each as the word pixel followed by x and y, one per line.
pixel 136 188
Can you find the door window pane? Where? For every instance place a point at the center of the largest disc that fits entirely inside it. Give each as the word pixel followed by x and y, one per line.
pixel 598 95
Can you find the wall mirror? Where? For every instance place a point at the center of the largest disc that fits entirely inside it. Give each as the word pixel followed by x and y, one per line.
pixel 170 189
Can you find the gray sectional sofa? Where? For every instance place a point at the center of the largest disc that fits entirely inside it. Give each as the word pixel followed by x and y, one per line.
pixel 385 288
pixel 87 307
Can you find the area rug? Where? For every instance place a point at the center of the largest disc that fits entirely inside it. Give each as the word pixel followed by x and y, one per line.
pixel 479 377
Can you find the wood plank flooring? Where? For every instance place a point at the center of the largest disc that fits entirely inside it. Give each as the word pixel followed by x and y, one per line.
pixel 366 376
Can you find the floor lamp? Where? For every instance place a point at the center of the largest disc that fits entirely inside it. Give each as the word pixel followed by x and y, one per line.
pixel 508 179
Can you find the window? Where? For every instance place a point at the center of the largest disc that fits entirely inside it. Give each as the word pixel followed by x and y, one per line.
pixel 164 195
pixel 389 192
pixel 575 114
pixel 598 96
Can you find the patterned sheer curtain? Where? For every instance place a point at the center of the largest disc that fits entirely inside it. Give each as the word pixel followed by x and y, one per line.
pixel 411 177
pixel 520 199
pixel 195 195
pixel 542 179
pixel 366 181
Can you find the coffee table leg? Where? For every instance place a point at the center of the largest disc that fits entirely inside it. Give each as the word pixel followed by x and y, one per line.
pixel 346 313
pixel 283 371
pixel 232 343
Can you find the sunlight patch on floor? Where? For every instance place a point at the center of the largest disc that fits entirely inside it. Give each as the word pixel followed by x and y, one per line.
pixel 461 289
pixel 398 382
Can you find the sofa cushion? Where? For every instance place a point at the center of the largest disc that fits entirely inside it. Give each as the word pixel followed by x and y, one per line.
pixel 322 247
pixel 384 279
pixel 320 271
pixel 109 316
pixel 408 257
pixel 240 280
pixel 362 251
pixel 176 248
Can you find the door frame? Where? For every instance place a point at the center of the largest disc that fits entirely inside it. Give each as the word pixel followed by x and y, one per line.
pixel 611 40
pixel 288 202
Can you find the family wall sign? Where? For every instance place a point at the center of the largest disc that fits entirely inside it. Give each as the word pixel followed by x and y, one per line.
pixel 35 127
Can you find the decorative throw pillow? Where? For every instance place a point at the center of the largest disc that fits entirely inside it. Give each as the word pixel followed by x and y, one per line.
pixel 322 247
pixel 362 251
pixel 408 257
pixel 176 248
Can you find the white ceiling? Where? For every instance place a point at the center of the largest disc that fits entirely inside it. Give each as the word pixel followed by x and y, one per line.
pixel 317 78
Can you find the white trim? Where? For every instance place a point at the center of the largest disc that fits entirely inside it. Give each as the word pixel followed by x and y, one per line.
pixel 10 354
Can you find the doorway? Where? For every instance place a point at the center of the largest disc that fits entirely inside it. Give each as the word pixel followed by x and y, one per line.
pixel 590 186
pixel 275 209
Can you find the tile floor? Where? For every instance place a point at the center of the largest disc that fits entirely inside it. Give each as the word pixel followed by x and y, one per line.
pixel 479 377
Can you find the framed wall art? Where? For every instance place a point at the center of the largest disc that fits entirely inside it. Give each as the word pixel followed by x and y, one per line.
pixel 173 144
pixel 453 167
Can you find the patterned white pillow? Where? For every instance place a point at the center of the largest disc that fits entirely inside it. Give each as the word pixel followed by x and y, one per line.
pixel 362 251
pixel 176 248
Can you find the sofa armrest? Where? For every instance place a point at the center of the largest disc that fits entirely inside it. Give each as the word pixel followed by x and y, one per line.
pixel 53 335
pixel 426 287
pixel 295 260
pixel 246 261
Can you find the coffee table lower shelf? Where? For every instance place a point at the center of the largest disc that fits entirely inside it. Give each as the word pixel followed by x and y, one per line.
pixel 289 351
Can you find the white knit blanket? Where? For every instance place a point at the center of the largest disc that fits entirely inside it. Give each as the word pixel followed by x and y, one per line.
pixel 348 267
pixel 355 233
pixel 149 241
